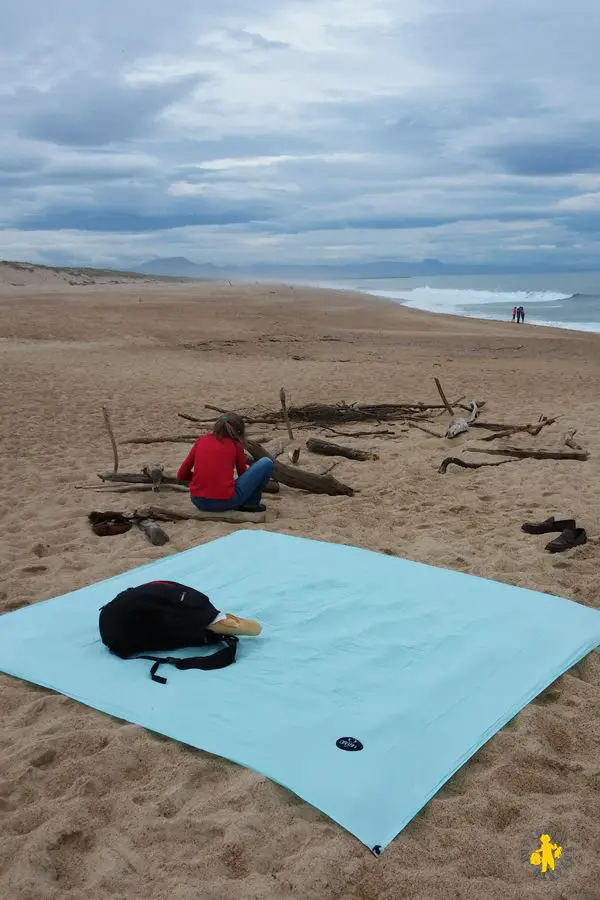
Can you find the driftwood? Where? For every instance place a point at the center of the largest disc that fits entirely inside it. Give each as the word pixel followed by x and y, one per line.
pixel 155 534
pixel 299 478
pixel 443 396
pixel 380 433
pixel 453 460
pixel 167 481
pixel 172 439
pixel 284 413
pixel 526 453
pixel 112 438
pixel 128 488
pixel 425 429
pixel 509 430
pixel 570 439
pixel 329 414
pixel 325 448
pixel 173 515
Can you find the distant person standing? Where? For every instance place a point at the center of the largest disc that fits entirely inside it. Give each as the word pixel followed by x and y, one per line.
pixel 518 314
pixel 523 315
pixel 514 313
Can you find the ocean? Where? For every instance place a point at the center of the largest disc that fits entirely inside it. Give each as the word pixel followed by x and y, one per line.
pixel 558 300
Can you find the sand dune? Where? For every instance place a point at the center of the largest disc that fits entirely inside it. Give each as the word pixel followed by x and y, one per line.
pixel 92 807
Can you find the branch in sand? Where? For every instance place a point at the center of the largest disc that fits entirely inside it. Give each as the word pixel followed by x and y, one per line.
pixel 425 429
pixel 521 453
pixel 166 481
pixel 509 430
pixel 171 439
pixel 112 438
pixel 353 434
pixel 453 460
pixel 443 396
pixel 325 448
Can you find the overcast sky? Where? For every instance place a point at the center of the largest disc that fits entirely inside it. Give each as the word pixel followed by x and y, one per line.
pixel 300 130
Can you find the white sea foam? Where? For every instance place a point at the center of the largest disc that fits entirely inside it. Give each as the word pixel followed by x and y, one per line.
pixel 457 302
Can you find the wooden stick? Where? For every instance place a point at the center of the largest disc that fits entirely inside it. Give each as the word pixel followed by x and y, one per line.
pixel 128 488
pixel 380 433
pixel 112 438
pixel 443 396
pixel 195 419
pixel 173 439
pixel 453 460
pixel 284 411
pixel 425 429
pixel 325 448
pixel 522 453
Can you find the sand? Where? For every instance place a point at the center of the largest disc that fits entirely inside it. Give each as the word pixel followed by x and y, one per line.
pixel 91 807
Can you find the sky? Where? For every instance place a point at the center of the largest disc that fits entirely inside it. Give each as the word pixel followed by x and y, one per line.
pixel 300 131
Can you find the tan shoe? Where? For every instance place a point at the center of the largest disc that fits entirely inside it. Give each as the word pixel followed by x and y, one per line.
pixel 234 625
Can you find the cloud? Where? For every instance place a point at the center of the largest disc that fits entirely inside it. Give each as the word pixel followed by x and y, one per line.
pixel 300 131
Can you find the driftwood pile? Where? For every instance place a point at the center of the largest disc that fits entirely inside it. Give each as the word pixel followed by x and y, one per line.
pixel 326 417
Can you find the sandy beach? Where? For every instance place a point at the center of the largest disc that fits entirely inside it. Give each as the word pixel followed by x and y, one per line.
pixel 92 807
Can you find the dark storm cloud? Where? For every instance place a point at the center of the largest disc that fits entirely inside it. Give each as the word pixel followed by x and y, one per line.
pixel 557 157
pixel 95 111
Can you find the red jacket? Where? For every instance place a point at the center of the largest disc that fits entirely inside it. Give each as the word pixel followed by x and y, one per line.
pixel 210 464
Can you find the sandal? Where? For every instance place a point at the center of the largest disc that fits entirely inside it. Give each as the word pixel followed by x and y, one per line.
pixel 549 525
pixel 570 538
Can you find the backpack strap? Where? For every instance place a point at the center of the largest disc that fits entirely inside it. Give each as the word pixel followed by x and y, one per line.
pixel 218 660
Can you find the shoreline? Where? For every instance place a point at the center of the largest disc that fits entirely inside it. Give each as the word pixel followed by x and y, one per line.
pixel 407 303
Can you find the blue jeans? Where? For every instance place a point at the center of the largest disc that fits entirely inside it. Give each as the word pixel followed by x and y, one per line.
pixel 248 489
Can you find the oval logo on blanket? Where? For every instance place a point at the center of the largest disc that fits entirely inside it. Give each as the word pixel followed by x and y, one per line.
pixel 349 743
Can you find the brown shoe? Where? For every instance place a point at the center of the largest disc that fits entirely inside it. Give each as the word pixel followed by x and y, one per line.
pixel 548 525
pixel 234 625
pixel 572 537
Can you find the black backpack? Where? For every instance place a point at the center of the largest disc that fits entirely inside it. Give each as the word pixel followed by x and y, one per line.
pixel 164 616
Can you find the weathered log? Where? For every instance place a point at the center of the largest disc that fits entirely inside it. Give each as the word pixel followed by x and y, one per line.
pixel 325 448
pixel 299 478
pixel 526 453
pixel 155 534
pixel 173 515
pixel 453 460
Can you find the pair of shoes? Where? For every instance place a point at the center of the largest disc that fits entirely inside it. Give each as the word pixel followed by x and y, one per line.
pixel 234 625
pixel 253 509
pixel 570 536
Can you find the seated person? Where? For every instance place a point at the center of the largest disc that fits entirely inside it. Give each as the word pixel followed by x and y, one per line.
pixel 210 464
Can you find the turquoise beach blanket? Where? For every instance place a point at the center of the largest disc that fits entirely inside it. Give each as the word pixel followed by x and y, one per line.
pixel 374 680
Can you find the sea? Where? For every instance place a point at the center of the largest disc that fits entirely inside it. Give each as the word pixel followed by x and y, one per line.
pixel 557 300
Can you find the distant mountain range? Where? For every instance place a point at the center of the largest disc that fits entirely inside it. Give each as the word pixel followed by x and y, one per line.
pixel 181 266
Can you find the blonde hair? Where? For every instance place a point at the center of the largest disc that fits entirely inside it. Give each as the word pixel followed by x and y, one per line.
pixel 230 425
